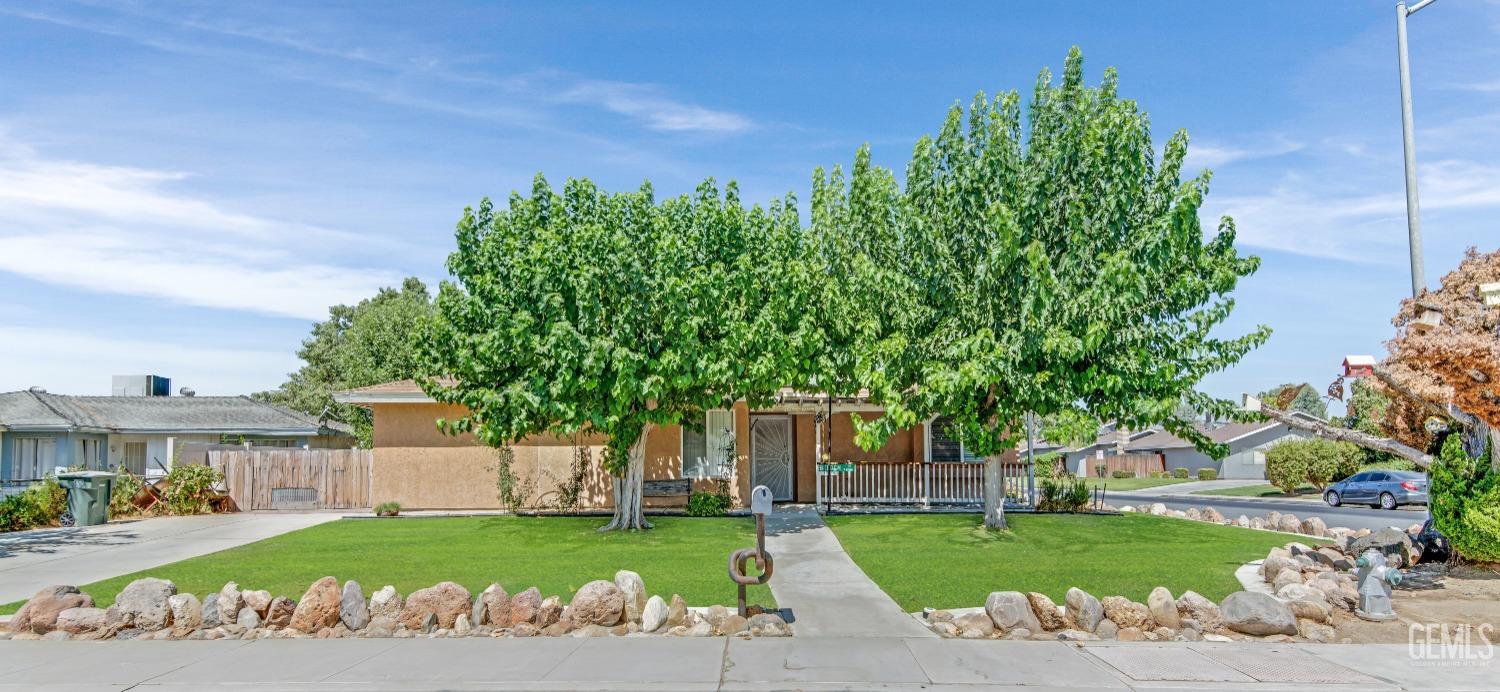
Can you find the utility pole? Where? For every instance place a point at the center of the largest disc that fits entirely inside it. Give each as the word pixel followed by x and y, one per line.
pixel 1409 147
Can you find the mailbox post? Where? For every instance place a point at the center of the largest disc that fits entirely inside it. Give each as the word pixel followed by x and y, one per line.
pixel 760 506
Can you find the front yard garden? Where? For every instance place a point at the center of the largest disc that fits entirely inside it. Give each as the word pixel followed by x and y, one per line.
pixel 556 554
pixel 948 561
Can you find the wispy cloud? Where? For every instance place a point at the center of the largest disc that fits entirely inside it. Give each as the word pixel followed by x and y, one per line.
pixel 658 112
pixel 119 229
pixel 1209 154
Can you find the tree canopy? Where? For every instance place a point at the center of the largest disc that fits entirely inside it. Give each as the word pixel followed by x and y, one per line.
pixel 358 345
pixel 1054 266
pixel 614 313
pixel 1296 397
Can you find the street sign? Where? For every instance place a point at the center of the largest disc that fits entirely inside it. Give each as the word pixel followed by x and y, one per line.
pixel 836 468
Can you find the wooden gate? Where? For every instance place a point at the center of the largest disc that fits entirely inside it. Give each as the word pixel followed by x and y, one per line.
pixel 1139 465
pixel 296 478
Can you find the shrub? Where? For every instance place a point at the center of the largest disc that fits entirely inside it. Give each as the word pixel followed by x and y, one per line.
pixel 1063 495
pixel 1099 469
pixel 1207 474
pixel 1466 501
pixel 189 487
pixel 709 504
pixel 1122 473
pixel 126 486
pixel 511 490
pixel 387 509
pixel 1312 461
pixel 1179 473
pixel 40 504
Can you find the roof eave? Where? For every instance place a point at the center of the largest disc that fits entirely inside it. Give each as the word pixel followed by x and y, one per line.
pixel 365 398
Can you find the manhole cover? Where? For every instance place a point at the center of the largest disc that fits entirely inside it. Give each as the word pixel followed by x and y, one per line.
pixel 1166 663
pixel 1288 665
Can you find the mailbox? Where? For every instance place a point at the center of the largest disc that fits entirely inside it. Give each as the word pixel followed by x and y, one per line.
pixel 760 500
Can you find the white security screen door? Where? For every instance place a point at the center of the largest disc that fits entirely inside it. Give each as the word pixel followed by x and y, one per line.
pixel 771 454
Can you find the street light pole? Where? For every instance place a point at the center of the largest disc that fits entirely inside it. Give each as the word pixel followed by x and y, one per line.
pixel 1409 147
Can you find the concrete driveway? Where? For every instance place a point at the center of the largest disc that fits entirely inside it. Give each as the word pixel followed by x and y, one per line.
pixel 30 560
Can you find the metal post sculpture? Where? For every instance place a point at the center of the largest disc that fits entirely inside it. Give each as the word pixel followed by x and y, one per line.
pixel 760 506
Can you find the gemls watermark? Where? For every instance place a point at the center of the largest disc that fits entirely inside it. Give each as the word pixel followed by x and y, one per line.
pixel 1441 644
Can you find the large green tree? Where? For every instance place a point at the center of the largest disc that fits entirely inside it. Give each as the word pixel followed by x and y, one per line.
pixel 1296 397
pixel 358 345
pixel 1055 266
pixel 613 314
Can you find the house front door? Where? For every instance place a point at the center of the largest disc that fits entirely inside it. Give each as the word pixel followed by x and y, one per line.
pixel 771 454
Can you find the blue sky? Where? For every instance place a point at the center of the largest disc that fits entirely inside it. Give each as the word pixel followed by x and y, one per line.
pixel 185 187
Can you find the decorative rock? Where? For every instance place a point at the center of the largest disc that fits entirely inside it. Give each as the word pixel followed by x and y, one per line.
pixel 318 608
pixel 145 601
pixel 676 611
pixel 1314 526
pixel 1083 609
pixel 461 625
pixel 381 627
pixel 1194 606
pixel 1394 543
pixel 549 612
pixel 1194 514
pixel 733 624
pixel 1317 632
pixel 428 623
pixel 1317 611
pixel 1157 509
pixel 1077 636
pixel 1018 634
pixel 1131 634
pixel 187 612
pixel 1288 523
pixel 1126 613
pixel 353 611
pixel 1163 608
pixel 279 614
pixel 260 601
pixel 634 591
pixel 1274 565
pixel 1011 609
pixel 654 615
pixel 1046 611
pixel 1213 516
pixel 1107 629
pixel 598 603
pixel 492 607
pixel 1255 523
pixel 768 625
pixel 1254 613
pixel 524 606
pixel 1273 520
pixel 1242 521
pixel 1303 592
pixel 230 601
pixel 79 620
pixel 39 615
pixel 979 623
pixel 558 629
pixel 211 617
pixel 386 603
pixel 944 629
pixel 445 600
pixel 248 618
pixel 1286 578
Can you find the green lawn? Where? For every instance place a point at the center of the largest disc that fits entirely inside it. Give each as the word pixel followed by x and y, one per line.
pixel 555 554
pixel 1257 491
pixel 948 561
pixel 1125 485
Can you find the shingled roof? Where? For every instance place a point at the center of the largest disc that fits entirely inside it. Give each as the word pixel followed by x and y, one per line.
pixel 152 414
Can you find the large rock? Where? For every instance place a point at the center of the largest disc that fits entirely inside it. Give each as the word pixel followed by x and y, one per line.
pixel 1288 523
pixel 1127 613
pixel 1394 543
pixel 39 615
pixel 549 612
pixel 280 613
pixel 597 603
pixel 634 591
pixel 1213 516
pixel 1195 607
pixel 248 618
pixel 1010 610
pixel 258 601
pixel 676 611
pixel 1084 610
pixel 446 600
pixel 353 611
pixel 146 602
pixel 1285 578
pixel 386 603
pixel 654 615
pixel 80 620
pixel 1163 608
pixel 1274 565
pixel 974 626
pixel 768 625
pixel 187 611
pixel 318 608
pixel 231 600
pixel 1046 611
pixel 524 606
pixel 1300 592
pixel 1259 614
pixel 492 607
pixel 1314 526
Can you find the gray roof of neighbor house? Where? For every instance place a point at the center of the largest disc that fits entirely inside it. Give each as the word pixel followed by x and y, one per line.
pixel 1224 433
pixel 153 414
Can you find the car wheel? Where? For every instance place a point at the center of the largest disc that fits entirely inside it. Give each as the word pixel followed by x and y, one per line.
pixel 1387 501
pixel 1332 498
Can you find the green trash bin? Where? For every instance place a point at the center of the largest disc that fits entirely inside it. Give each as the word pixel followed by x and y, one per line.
pixel 88 495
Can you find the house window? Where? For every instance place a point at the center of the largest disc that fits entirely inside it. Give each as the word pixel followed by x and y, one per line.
pixel 943 444
pixel 35 458
pixel 273 443
pixel 88 455
pixel 135 457
pixel 709 452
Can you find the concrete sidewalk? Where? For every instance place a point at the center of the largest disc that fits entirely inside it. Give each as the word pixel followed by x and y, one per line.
pixel 656 663
pixel 826 593
pixel 1187 488
pixel 31 560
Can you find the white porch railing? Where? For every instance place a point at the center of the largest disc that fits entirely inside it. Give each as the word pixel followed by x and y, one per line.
pixel 921 484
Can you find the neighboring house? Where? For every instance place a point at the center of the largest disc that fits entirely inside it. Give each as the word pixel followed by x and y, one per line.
pixel 42 432
pixel 421 467
pixel 1110 439
pixel 1247 444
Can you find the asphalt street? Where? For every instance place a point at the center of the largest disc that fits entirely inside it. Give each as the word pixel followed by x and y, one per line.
pixel 1231 507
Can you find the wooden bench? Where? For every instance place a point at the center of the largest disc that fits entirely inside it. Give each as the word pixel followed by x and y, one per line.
pixel 672 487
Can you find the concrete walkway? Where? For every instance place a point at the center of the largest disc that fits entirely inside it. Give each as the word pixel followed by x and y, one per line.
pixel 30 560
pixel 1187 488
pixel 659 664
pixel 828 595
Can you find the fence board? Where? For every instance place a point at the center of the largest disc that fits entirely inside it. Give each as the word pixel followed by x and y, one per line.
pixel 339 477
pixel 1142 465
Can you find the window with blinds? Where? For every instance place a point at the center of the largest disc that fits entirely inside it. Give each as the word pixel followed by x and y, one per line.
pixel 944 445
pixel 709 452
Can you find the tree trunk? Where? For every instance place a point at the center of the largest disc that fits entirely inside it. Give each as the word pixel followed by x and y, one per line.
pixel 1329 432
pixel 628 490
pixel 994 493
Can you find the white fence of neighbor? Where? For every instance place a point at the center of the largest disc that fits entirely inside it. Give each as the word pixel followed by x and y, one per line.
pixel 921 484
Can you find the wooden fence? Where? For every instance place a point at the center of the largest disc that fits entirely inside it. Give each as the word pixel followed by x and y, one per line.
pixel 296 478
pixel 1141 465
